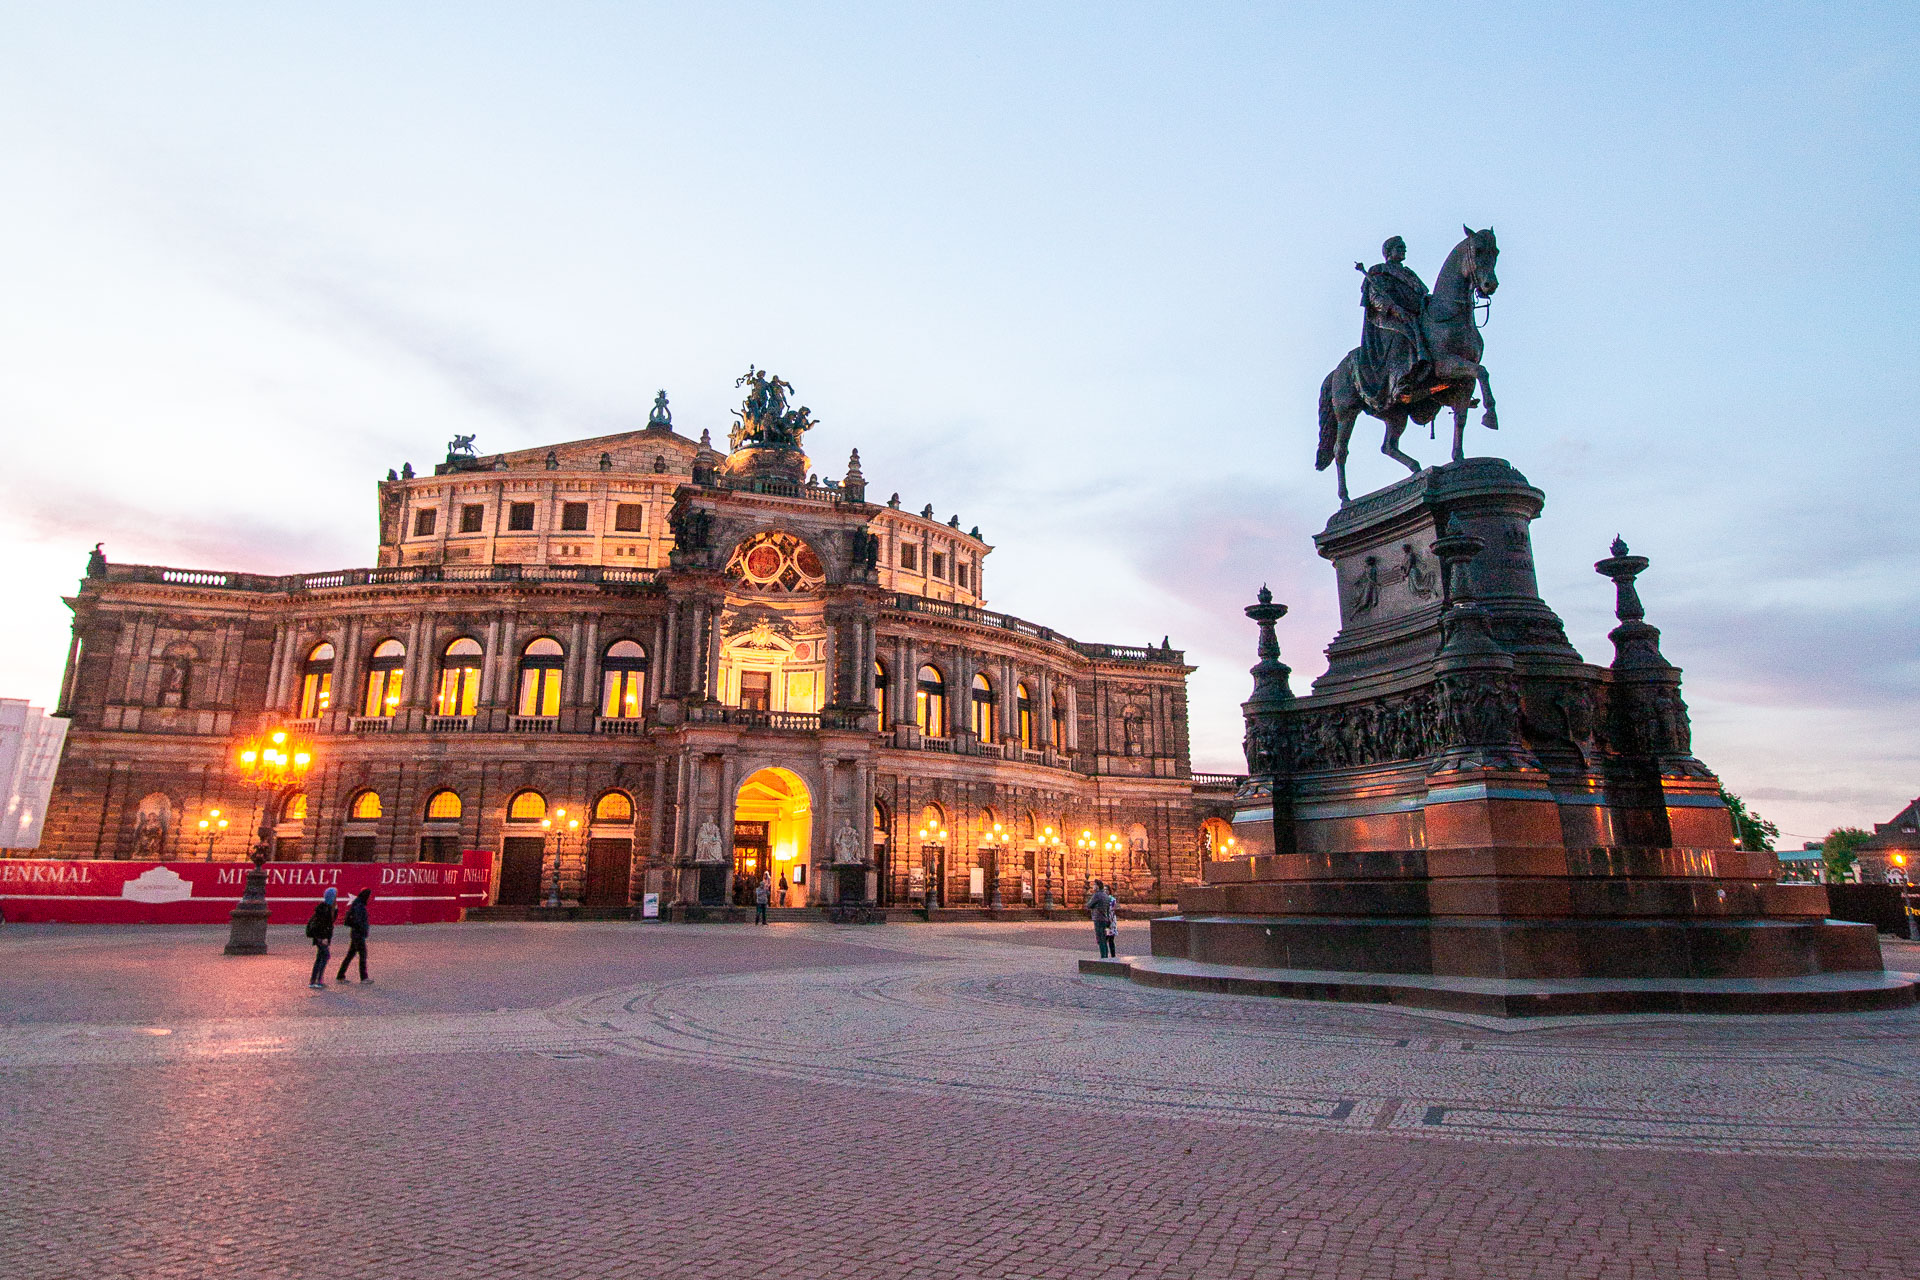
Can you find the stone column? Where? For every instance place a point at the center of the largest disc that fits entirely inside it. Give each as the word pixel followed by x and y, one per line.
pixel 710 682
pixel 490 663
pixel 664 659
pixel 349 671
pixel 588 698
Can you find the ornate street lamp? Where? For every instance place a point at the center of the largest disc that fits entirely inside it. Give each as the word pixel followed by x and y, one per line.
pixel 562 829
pixel 275 762
pixel 212 827
pixel 1050 848
pixel 997 839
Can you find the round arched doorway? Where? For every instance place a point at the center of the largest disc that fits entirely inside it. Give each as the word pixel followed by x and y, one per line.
pixel 772 837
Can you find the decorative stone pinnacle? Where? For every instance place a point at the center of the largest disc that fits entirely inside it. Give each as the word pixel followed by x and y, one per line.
pixel 1266 596
pixel 1623 569
pixel 1456 548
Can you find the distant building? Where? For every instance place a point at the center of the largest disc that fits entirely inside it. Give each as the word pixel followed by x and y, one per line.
pixel 30 743
pixel 718 665
pixel 1805 865
pixel 1892 853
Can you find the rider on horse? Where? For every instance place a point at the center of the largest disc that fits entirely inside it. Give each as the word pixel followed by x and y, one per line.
pixel 1394 358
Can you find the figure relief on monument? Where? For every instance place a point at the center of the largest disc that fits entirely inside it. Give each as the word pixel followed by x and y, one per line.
pixel 846 845
pixel 707 844
pixel 1419 352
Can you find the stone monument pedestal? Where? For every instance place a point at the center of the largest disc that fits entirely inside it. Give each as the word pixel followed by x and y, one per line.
pixel 1465 814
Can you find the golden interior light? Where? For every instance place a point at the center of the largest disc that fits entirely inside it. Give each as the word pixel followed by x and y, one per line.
pixel 248 756
pixel 279 736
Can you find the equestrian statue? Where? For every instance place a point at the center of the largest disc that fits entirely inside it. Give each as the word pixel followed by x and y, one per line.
pixel 1419 352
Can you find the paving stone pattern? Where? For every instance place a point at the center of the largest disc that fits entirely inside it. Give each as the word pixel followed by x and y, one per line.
pixel 613 1100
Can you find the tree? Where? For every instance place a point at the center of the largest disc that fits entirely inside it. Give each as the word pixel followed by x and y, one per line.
pixel 1841 850
pixel 1753 831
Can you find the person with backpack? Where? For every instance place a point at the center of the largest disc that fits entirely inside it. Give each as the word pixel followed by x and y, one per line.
pixel 357 926
pixel 1106 928
pixel 320 933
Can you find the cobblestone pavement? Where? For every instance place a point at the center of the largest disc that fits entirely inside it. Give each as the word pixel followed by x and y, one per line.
pixel 942 1101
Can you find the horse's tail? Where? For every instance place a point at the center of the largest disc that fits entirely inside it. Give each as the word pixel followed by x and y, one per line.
pixel 1329 424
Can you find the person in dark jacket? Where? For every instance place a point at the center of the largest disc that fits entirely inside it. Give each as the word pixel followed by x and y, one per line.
pixel 357 926
pixel 1101 906
pixel 761 892
pixel 320 933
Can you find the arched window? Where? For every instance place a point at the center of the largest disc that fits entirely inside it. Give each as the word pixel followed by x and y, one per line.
pixel 933 825
pixel 930 703
pixel 540 665
pixel 994 831
pixel 385 671
pixel 459 679
pixel 981 718
pixel 316 682
pixel 1023 701
pixel 615 808
pixel 294 807
pixel 364 807
pixel 623 681
pixel 1217 839
pixel 880 691
pixel 443 805
pixel 526 806
pixel 1059 725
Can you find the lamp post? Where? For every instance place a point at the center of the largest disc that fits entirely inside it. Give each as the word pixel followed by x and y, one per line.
pixel 997 839
pixel 1086 844
pixel 562 829
pixel 274 762
pixel 212 827
pixel 1112 847
pixel 1050 849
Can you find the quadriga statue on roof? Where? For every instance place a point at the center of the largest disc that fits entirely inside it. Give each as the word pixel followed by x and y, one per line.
pixel 1419 352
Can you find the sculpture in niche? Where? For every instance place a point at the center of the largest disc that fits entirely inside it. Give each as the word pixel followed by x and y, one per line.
pixel 846 845
pixel 553 460
pixel 606 461
pixel 659 464
pixel 707 843
pixel 152 822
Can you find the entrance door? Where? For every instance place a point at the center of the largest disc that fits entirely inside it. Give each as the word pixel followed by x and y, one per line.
pixel 521 864
pixel 609 872
pixel 749 859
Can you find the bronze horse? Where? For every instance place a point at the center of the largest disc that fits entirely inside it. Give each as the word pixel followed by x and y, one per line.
pixel 1453 339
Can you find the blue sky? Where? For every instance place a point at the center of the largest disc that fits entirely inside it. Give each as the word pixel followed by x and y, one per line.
pixel 1073 272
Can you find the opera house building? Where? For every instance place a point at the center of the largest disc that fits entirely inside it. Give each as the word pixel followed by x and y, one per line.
pixel 636 665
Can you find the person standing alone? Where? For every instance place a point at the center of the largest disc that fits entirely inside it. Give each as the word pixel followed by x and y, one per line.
pixel 761 892
pixel 320 933
pixel 357 926
pixel 1101 906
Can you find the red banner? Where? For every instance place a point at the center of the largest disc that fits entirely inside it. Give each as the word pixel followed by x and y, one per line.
pixel 100 892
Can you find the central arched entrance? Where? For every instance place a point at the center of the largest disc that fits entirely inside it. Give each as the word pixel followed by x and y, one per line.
pixel 772 836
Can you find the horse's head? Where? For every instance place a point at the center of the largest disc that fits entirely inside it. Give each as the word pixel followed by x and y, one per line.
pixel 1483 252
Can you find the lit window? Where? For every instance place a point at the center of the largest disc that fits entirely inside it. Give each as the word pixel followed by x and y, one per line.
pixel 880 691
pixel 316 683
pixel 527 806
pixel 540 667
pixel 930 703
pixel 385 674
pixel 982 713
pixel 459 689
pixel 623 681
pixel 614 806
pixel 472 518
pixel 520 517
pixel 423 522
pixel 573 517
pixel 365 807
pixel 629 517
pixel 1024 701
pixel 443 806
pixel 294 809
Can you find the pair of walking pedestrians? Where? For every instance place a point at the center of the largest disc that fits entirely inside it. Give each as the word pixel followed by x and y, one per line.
pixel 1106 919
pixel 320 933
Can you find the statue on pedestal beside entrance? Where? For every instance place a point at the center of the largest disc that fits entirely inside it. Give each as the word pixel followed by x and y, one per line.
pixel 706 846
pixel 1419 352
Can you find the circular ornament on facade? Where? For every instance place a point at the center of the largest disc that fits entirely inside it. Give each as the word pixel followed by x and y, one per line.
pixel 776 562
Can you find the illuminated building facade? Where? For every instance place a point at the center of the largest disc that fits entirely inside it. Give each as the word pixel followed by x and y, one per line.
pixel 634 664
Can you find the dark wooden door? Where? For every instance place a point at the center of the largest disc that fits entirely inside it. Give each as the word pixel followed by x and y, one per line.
pixel 609 872
pixel 522 860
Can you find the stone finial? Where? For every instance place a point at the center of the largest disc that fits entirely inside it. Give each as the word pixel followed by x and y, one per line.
pixel 1623 569
pixel 1269 674
pixel 392 475
pixel 553 460
pixel 926 512
pixel 406 471
pixel 974 533
pixel 1619 547
pixel 894 502
pixel 706 439
pixel 661 416
pixel 853 475
pixel 97 561
pixel 954 522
